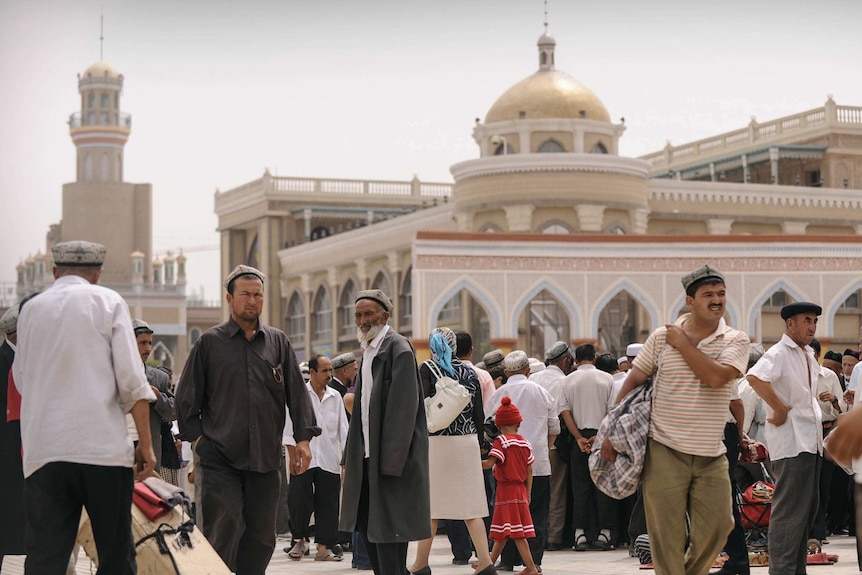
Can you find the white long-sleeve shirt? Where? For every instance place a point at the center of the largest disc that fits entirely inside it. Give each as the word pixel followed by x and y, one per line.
pixel 79 372
pixel 327 447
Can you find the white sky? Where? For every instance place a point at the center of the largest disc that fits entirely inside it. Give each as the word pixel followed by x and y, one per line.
pixel 375 89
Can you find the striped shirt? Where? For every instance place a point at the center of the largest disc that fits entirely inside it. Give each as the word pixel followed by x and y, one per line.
pixel 687 415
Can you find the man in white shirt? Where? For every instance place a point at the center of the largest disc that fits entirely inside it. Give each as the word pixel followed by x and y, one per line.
pixel 317 490
pixel 559 362
pixel 79 373
pixel 540 427
pixel 585 399
pixel 786 378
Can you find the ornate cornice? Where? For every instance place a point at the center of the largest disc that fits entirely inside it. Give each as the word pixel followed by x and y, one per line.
pixel 524 163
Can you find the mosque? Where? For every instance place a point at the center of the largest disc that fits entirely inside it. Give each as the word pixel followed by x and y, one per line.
pixel 100 206
pixel 550 234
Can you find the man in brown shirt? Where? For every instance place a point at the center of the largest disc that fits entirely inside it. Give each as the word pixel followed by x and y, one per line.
pixel 231 400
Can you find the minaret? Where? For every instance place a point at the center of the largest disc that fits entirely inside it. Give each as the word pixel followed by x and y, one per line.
pixel 100 130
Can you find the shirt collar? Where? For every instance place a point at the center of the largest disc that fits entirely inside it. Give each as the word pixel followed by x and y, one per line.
pixel 234 328
pixel 586 366
pixel 12 345
pixel 719 331
pixel 375 343
pixel 786 340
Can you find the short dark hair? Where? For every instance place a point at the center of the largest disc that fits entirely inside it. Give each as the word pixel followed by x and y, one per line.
pixel 230 284
pixel 498 371
pixel 463 344
pixel 585 352
pixel 815 345
pixel 692 289
pixel 607 363
pixel 313 362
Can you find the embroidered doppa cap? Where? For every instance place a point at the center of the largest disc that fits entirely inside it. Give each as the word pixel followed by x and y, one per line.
pixel 556 350
pixel 508 413
pixel 243 270
pixel 493 358
pixel 79 254
pixel 516 361
pixel 634 349
pixel 139 326
pixel 700 275
pixel 792 309
pixel 9 321
pixel 851 353
pixel 342 360
pixel 536 366
pixel 375 295
pixel 833 355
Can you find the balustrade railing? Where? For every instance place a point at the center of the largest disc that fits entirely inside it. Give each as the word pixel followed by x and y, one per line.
pixel 338 186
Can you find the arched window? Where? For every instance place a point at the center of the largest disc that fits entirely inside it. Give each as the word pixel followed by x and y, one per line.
pixel 321 320
pixel 106 168
pixel 88 168
pixel 502 149
pixel 599 148
pixel 622 321
pixel 543 321
pixel 555 229
pixel 296 320
pixel 405 305
pixel 551 147
pixel 490 229
pixel 319 232
pixel 771 324
pixel 346 323
pixel 464 312
pixel 381 282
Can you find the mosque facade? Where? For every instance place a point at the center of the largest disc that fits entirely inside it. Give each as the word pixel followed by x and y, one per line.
pixel 100 206
pixel 550 234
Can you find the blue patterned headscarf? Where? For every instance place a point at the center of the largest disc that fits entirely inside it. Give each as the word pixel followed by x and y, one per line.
pixel 441 349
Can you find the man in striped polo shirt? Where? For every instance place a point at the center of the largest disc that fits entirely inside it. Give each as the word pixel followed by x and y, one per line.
pixel 693 363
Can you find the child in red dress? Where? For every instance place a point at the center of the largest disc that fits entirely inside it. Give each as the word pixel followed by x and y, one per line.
pixel 512 459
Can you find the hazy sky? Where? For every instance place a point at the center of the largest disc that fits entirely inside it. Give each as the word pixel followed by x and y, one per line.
pixel 373 89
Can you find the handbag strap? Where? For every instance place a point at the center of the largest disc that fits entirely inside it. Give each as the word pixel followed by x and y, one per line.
pixel 435 369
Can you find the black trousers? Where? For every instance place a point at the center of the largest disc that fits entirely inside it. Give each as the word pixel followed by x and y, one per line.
pixel 737 550
pixel 585 494
pixel 386 558
pixel 459 539
pixel 315 491
pixel 53 497
pixel 540 505
pixel 282 514
pixel 239 509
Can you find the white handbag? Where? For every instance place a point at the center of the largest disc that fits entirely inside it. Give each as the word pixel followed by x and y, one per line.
pixel 449 399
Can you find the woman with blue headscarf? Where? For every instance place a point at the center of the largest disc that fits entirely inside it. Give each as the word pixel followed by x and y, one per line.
pixel 455 463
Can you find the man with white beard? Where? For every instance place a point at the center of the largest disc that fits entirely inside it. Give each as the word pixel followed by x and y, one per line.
pixel 386 486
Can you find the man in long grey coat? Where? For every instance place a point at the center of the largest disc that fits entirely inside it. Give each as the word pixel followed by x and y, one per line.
pixel 386 490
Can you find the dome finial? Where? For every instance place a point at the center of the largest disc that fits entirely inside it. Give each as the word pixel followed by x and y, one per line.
pixel 102 35
pixel 546 46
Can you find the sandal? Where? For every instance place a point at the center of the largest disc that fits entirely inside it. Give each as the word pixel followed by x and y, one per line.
pixel 602 542
pixel 328 556
pixel 581 543
pixel 298 550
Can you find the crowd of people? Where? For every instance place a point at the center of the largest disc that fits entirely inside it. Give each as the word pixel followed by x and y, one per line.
pixel 510 474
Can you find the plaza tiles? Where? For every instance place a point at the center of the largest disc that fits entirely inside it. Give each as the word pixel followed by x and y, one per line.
pixel 587 563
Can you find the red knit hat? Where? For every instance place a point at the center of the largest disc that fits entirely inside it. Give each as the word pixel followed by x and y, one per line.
pixel 508 413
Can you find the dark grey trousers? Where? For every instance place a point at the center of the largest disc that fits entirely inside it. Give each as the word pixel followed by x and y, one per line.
pixel 794 508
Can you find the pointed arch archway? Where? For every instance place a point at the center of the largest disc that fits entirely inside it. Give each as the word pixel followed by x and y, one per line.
pixel 774 327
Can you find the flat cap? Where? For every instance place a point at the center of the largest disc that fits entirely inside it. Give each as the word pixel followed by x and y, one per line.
pixel 242 270
pixel 792 309
pixel 139 326
pixel 833 355
pixel 493 358
pixel 516 361
pixel 9 321
pixel 375 295
pixel 79 254
pixel 340 361
pixel 700 275
pixel 556 350
pixel 633 349
pixel 851 353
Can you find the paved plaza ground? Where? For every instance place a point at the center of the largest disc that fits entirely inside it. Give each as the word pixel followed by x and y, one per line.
pixel 586 563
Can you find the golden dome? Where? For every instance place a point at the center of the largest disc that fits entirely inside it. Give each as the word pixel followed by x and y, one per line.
pixel 548 94
pixel 101 70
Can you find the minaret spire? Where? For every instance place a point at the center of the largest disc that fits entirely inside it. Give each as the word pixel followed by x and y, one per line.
pixel 102 33
pixel 546 16
pixel 546 46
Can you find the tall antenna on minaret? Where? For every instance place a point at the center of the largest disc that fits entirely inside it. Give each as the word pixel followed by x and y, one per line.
pixel 546 16
pixel 102 33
